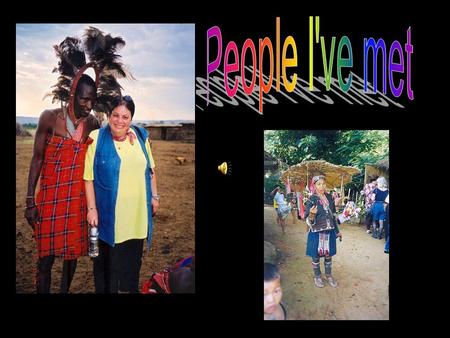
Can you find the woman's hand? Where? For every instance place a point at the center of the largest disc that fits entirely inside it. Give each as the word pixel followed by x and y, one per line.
pixel 92 214
pixel 339 235
pixel 312 213
pixel 155 206
pixel 92 217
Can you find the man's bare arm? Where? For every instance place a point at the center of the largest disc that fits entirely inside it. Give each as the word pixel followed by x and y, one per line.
pixel 45 122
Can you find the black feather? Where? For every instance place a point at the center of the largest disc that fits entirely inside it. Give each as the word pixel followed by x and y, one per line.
pixel 107 91
pixel 71 58
pixel 102 48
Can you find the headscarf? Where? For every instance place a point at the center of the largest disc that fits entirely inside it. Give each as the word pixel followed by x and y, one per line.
pixel 381 183
pixel 312 186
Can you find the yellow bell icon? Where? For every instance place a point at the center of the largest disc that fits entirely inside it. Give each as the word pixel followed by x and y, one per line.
pixel 223 168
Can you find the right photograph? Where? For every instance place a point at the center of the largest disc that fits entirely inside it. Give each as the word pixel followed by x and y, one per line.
pixel 326 224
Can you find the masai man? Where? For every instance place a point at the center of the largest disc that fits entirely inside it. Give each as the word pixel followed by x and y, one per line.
pixel 57 213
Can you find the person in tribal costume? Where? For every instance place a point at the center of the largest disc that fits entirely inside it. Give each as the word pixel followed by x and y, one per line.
pixel 323 230
pixel 57 211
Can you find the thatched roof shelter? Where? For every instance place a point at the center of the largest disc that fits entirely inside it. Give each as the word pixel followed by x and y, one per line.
pixel 380 168
pixel 335 175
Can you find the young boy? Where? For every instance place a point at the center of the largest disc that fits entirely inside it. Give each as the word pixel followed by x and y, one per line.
pixel 273 309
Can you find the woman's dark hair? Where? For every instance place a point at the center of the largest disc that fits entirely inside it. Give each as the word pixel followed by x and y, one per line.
pixel 270 272
pixel 126 101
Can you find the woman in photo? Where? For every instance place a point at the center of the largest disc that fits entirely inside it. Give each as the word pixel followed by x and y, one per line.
pixel 122 197
pixel 323 230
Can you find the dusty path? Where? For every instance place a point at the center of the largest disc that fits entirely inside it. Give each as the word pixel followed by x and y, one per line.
pixel 360 267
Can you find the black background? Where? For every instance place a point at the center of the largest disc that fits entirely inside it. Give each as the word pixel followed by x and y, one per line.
pixel 229 209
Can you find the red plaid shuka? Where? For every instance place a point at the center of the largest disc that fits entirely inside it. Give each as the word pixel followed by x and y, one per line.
pixel 62 228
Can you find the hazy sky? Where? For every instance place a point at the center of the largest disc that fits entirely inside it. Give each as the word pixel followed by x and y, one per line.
pixel 160 57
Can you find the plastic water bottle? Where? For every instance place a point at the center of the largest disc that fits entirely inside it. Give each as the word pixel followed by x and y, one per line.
pixel 93 242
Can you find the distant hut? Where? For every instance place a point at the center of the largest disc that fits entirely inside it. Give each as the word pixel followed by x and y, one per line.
pixel 187 132
pixel 270 163
pixel 21 131
pixel 271 167
pixel 172 132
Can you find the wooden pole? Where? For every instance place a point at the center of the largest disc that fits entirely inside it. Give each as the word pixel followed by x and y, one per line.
pixel 366 178
pixel 307 177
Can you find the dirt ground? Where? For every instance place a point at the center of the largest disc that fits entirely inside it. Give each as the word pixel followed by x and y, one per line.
pixel 360 267
pixel 174 226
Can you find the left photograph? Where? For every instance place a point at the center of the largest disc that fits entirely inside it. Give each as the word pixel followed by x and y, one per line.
pixel 105 158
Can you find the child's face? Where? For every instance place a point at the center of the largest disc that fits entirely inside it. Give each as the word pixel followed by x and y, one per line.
pixel 272 295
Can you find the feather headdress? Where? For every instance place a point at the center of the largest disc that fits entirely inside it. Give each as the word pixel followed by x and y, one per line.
pixel 101 50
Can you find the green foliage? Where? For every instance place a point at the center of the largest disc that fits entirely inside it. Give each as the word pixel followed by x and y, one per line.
pixel 29 125
pixel 343 147
pixel 359 147
pixel 271 183
pixel 294 146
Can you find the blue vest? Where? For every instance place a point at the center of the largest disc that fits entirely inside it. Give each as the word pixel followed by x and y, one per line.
pixel 106 182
